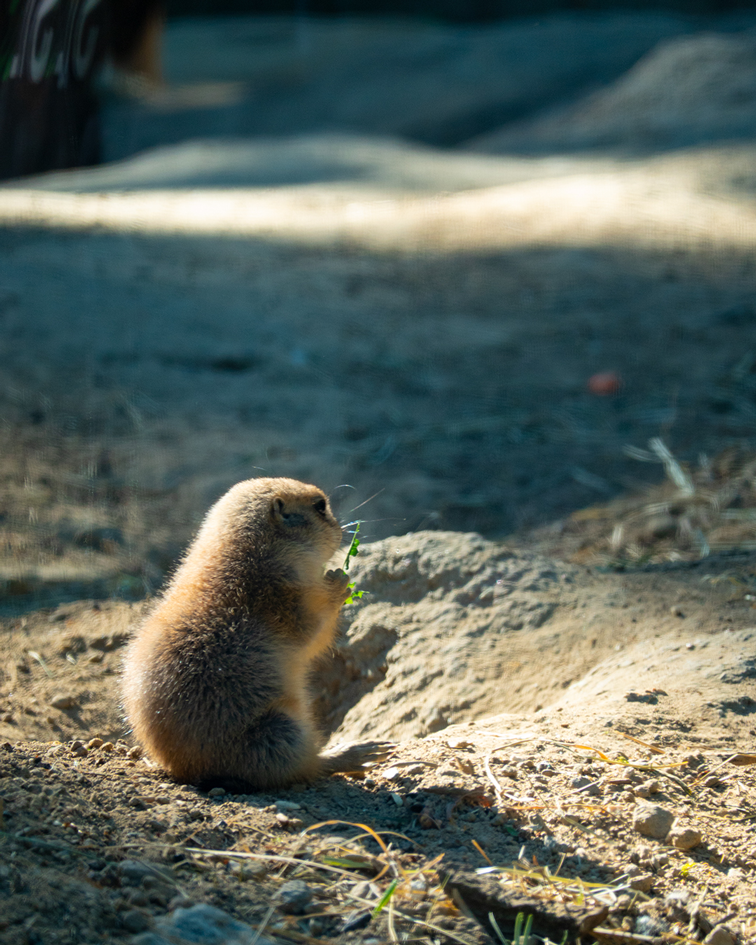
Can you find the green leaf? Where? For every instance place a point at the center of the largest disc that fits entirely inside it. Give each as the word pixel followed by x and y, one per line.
pixel 354 547
pixel 385 897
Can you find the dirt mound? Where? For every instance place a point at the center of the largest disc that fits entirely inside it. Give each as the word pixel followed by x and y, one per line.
pixel 446 617
pixel 686 90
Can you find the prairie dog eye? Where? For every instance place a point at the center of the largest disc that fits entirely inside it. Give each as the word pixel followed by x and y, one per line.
pixel 320 506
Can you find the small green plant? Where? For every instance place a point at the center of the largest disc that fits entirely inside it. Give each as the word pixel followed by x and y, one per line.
pixel 520 937
pixel 354 550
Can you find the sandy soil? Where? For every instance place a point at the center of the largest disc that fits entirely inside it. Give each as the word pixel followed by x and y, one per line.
pixel 415 330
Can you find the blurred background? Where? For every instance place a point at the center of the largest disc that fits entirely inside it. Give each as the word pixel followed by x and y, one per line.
pixel 484 267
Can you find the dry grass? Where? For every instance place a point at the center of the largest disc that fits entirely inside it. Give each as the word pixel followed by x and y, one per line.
pixel 694 512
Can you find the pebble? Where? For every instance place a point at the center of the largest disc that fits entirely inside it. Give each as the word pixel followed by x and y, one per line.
pixel 287 805
pixel 647 788
pixel 586 786
pixel 641 883
pixel 652 821
pixel 294 897
pixel 390 774
pixel 64 701
pixel 216 792
pixel 95 743
pixel 201 923
pixel 135 921
pixel 133 871
pixel 720 935
pixel 289 823
pixel 684 838
pixel 459 743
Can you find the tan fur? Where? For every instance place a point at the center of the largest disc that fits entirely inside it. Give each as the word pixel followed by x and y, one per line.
pixel 215 681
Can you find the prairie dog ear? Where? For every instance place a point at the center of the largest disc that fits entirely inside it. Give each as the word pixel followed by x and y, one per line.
pixel 277 509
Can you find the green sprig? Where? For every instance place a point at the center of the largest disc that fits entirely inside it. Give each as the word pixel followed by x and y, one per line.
pixel 354 550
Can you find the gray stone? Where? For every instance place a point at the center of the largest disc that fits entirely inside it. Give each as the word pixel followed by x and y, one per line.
pixel 135 921
pixel 294 897
pixel 652 821
pixel 132 871
pixel 200 925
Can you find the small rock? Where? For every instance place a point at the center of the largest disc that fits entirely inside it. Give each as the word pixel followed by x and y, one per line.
pixel 132 871
pixel 135 921
pixel 642 883
pixel 288 805
pixel 647 788
pixel 201 923
pixel 216 792
pixel 289 823
pixel 684 838
pixel 64 701
pixel 107 746
pixel 294 897
pixel 95 743
pixel 720 935
pixel 136 753
pixel 459 743
pixel 584 785
pixel 652 821
pixel 390 774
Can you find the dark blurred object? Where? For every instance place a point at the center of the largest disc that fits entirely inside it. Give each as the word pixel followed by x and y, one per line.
pixel 136 37
pixel 462 11
pixel 50 54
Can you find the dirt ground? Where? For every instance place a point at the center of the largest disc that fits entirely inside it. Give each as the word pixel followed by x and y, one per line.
pixel 559 626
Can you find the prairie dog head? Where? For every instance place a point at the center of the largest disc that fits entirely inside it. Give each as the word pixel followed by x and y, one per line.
pixel 284 517
pixel 303 516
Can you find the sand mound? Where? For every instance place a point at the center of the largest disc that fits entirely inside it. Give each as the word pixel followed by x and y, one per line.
pixel 689 89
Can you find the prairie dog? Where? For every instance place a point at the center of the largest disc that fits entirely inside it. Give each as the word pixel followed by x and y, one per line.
pixel 215 680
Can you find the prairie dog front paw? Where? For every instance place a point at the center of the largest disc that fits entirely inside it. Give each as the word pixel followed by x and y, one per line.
pixel 339 578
